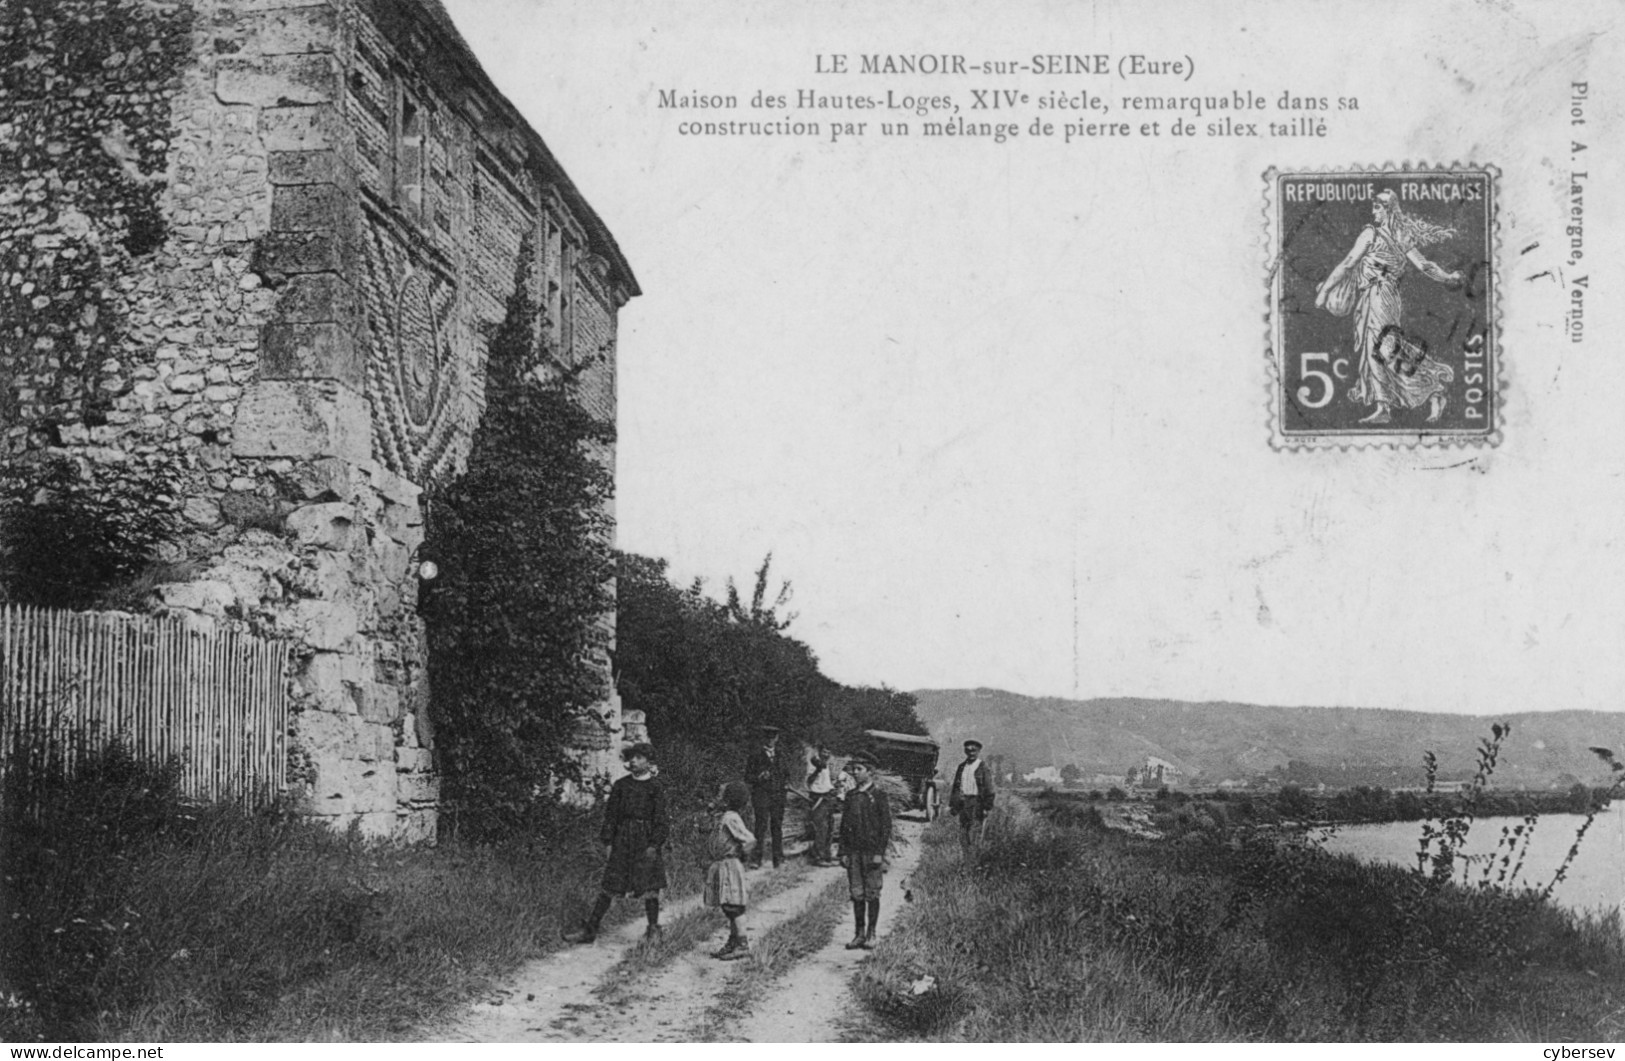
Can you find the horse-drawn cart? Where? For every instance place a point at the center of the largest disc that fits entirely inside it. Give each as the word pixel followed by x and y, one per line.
pixel 913 760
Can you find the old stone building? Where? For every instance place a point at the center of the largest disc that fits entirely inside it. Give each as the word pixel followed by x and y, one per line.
pixel 250 251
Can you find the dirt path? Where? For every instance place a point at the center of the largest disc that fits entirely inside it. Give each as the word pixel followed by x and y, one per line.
pixel 587 994
pixel 813 1004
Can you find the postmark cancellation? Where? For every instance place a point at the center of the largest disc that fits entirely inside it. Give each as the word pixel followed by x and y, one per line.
pixel 1383 306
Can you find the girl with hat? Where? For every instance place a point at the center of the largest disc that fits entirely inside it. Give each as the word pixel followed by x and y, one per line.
pixel 636 826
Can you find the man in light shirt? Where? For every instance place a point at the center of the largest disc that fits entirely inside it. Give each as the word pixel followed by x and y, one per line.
pixel 821 812
pixel 971 797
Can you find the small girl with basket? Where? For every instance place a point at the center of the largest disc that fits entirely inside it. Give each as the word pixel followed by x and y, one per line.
pixel 725 877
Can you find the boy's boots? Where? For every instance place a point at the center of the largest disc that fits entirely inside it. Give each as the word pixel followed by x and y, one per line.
pixel 860 911
pixel 734 949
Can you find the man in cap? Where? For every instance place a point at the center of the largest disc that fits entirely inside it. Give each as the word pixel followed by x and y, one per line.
pixel 971 797
pixel 865 840
pixel 769 780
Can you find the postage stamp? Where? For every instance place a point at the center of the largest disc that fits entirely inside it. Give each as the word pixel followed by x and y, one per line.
pixel 1383 306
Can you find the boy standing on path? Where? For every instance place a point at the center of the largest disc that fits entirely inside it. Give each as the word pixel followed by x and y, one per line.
pixel 971 796
pixel 865 837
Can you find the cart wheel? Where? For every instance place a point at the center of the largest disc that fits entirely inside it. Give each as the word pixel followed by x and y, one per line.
pixel 932 807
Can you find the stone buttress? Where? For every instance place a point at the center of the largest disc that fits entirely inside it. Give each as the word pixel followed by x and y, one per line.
pixel 257 245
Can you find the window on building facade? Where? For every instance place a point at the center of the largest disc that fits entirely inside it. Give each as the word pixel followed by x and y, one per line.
pixel 409 155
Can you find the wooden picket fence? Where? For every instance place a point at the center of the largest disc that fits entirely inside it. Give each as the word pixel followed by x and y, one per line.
pixel 216 699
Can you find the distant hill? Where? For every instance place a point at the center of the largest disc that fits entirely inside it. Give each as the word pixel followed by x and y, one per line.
pixel 1213 742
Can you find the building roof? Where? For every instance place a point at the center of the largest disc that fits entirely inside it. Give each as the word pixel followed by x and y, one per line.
pixel 394 16
pixel 904 738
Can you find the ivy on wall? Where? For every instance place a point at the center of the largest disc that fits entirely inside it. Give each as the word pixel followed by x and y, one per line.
pixel 514 620
pixel 73 537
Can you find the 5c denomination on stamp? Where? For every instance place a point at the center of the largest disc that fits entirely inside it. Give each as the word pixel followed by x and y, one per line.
pixel 1383 306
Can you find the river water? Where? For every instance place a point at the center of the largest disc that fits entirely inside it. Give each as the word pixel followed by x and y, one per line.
pixel 1596 879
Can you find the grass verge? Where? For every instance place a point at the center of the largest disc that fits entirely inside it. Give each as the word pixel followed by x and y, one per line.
pixel 1070 933
pixel 127 915
pixel 1008 959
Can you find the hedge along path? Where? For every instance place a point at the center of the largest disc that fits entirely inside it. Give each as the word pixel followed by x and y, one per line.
pixel 579 994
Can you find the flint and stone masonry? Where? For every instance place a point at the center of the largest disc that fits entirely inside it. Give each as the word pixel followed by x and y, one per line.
pixel 253 248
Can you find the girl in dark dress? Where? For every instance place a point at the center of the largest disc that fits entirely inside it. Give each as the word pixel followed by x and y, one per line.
pixel 635 830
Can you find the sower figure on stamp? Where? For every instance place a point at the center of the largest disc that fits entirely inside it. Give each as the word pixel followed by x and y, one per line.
pixel 1393 368
pixel 821 791
pixel 971 797
pixel 768 783
pixel 635 829
pixel 865 839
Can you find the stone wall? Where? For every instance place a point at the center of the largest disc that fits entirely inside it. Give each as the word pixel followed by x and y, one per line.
pixel 252 247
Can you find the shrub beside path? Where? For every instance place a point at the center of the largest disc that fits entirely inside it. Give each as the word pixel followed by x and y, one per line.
pixel 622 990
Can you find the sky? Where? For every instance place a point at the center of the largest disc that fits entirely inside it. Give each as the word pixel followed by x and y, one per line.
pixel 1000 411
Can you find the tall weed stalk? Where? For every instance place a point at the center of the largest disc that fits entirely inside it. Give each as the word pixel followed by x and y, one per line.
pixel 1442 847
pixel 1599 802
pixel 1443 839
